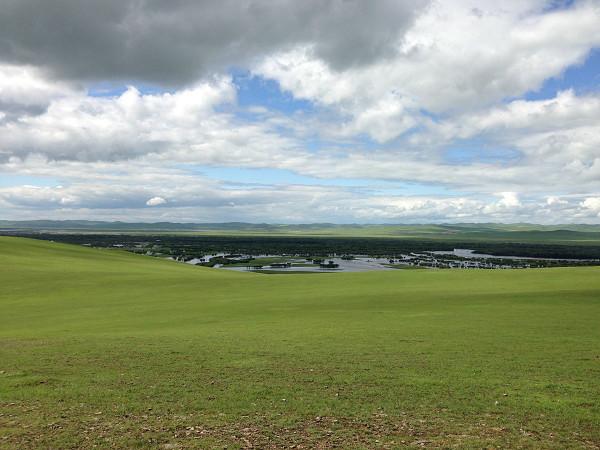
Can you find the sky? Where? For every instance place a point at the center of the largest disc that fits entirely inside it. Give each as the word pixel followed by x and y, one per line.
pixel 285 111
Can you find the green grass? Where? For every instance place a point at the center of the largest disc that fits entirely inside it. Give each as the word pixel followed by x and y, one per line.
pixel 563 234
pixel 405 267
pixel 107 348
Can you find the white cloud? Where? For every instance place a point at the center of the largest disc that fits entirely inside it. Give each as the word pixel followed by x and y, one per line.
pixel 25 90
pixel 563 112
pixel 592 205
pixel 509 199
pixel 181 126
pixel 458 56
pixel 156 201
pixel 554 200
pixel 200 199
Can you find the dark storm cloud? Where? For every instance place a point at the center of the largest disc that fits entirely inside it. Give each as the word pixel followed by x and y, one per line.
pixel 174 42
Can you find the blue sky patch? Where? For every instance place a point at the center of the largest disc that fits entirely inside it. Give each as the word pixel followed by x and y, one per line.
pixel 116 89
pixel 254 90
pixel 9 180
pixel 583 78
pixel 477 151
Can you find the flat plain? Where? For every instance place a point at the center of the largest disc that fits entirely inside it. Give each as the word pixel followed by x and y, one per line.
pixel 110 349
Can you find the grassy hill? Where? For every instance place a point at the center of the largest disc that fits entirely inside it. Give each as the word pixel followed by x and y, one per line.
pixel 107 348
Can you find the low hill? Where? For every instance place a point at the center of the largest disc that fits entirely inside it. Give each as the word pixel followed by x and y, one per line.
pixel 476 232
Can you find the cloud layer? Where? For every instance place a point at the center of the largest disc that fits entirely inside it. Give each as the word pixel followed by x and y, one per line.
pixel 395 113
pixel 180 41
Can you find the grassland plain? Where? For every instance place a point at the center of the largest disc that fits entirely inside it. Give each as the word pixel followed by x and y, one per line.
pixel 109 349
pixel 565 234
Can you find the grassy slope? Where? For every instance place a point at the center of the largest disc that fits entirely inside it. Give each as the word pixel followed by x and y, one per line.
pixel 109 348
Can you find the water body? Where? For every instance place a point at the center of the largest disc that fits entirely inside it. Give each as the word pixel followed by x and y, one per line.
pixel 466 253
pixel 353 265
pixel 362 263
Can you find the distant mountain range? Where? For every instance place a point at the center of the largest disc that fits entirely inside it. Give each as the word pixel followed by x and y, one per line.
pixel 89 225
